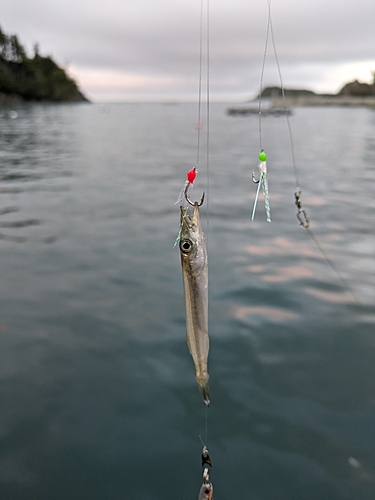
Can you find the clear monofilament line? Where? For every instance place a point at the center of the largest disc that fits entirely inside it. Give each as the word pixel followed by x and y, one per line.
pixel 206 426
pixel 205 35
pixel 261 82
pixel 301 214
pixel 270 28
pixel 207 160
pixel 208 117
pixel 199 125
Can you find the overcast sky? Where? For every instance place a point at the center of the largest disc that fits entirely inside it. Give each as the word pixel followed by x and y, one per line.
pixel 122 50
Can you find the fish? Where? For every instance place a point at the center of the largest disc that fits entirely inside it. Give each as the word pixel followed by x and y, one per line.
pixel 195 281
pixel 206 492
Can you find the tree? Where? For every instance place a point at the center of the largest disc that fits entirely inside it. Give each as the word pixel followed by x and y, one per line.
pixel 18 53
pixel 33 79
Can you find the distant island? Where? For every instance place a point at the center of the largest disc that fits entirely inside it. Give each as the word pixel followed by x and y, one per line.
pixel 40 79
pixel 352 89
pixel 352 94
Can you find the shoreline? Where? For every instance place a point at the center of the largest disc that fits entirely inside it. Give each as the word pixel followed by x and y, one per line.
pixel 16 100
pixel 323 100
pixel 277 106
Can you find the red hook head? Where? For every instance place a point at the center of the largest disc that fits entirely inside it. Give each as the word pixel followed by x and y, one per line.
pixel 191 175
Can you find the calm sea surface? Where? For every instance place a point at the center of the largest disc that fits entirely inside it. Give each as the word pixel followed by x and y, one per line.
pixel 98 396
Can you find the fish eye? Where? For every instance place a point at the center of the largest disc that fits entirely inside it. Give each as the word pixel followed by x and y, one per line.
pixel 186 246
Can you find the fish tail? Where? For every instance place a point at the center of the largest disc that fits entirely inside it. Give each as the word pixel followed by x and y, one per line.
pixel 204 389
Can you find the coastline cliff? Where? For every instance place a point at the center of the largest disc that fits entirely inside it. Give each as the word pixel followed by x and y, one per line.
pixel 35 79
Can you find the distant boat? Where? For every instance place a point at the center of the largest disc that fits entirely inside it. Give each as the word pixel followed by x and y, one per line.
pixel 255 111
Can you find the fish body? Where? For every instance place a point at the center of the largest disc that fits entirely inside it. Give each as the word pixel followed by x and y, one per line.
pixel 195 280
pixel 206 492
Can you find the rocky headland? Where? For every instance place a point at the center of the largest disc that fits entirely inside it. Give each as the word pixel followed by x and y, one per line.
pixel 32 79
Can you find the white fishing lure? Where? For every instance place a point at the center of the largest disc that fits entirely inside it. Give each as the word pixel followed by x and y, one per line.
pixel 262 182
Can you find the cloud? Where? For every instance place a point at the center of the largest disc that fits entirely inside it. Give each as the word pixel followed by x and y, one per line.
pixel 317 41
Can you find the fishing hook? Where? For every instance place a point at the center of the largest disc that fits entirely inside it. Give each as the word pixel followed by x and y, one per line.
pixel 254 179
pixel 190 202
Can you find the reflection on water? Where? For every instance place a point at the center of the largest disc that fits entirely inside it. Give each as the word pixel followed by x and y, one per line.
pixel 268 313
pixel 282 246
pixel 8 210
pixel 97 385
pixel 20 223
pixel 34 146
pixel 329 296
pixel 288 273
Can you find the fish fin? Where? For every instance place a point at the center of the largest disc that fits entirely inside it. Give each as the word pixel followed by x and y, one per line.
pixel 204 389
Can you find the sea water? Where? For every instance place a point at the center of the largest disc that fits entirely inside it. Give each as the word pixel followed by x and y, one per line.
pixel 98 396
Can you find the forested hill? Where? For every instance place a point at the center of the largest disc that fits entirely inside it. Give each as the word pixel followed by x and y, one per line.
pixel 32 79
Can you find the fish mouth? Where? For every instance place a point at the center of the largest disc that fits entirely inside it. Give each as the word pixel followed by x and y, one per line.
pixel 183 212
pixel 191 220
pixel 187 220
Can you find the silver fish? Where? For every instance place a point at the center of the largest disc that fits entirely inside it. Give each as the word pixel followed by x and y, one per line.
pixel 206 492
pixel 195 279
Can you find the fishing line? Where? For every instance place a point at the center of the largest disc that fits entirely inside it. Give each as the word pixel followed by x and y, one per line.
pixel 207 145
pixel 270 26
pixel 206 426
pixel 204 12
pixel 208 114
pixel 301 213
pixel 193 249
pixel 333 267
pixel 199 124
pixel 261 83
pixel 262 181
